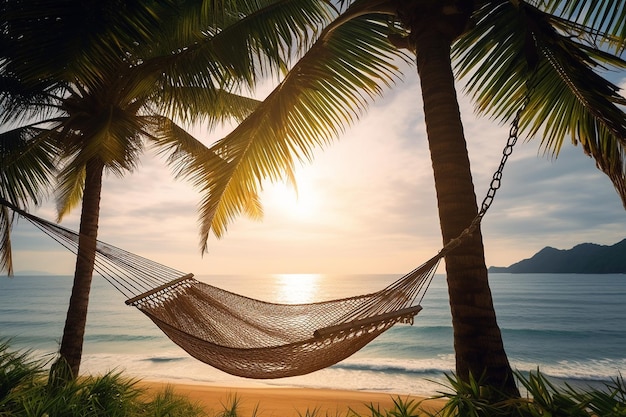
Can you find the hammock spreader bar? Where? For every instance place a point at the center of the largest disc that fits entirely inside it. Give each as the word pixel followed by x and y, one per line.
pixel 243 336
pixel 132 301
pixel 404 315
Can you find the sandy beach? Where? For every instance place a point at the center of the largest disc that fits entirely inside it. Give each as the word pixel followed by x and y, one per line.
pixel 286 402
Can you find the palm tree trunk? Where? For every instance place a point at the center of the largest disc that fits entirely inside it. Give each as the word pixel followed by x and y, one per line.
pixel 72 343
pixel 477 339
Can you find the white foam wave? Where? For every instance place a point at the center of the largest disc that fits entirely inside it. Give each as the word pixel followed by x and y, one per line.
pixel 419 376
pixel 587 370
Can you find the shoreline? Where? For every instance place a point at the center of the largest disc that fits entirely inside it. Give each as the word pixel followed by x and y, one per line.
pixel 285 401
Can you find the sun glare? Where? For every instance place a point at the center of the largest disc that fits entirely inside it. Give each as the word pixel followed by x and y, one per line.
pixel 297 288
pixel 282 198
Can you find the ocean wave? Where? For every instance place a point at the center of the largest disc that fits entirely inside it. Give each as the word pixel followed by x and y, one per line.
pixel 161 359
pixel 601 370
pixel 438 365
pixel 564 335
pixel 421 329
pixel 418 376
pixel 120 338
pixel 558 334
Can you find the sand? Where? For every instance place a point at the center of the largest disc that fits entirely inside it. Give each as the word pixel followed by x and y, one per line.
pixel 287 402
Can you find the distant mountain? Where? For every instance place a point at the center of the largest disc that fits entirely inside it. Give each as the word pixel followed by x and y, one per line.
pixel 586 258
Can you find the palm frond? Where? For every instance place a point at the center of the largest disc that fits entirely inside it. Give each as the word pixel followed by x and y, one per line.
pixel 569 99
pixel 27 161
pixel 111 135
pixel 496 58
pixel 328 89
pixel 22 103
pixel 191 159
pixel 203 105
pixel 599 22
pixel 177 145
pixel 184 152
pixel 115 141
pixel 69 189
pixel 272 31
pixel 247 39
pixel 6 253
pixel 590 112
pixel 27 166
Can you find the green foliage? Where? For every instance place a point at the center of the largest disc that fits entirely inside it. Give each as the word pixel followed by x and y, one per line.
pixel 16 368
pixel 401 408
pixel 544 398
pixel 168 404
pixel 60 374
pixel 346 68
pixel 24 393
pixel 231 408
pixel 609 402
pixel 472 399
pixel 547 397
pixel 561 53
pixel 98 81
pixel 347 62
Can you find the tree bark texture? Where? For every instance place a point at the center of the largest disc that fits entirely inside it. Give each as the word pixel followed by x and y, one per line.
pixel 477 339
pixel 72 342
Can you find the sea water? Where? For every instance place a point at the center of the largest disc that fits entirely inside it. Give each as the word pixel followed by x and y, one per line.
pixel 570 327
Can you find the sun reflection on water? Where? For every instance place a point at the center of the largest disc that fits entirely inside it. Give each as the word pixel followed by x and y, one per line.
pixel 297 288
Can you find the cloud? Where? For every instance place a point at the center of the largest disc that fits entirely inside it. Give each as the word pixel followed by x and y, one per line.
pixel 374 204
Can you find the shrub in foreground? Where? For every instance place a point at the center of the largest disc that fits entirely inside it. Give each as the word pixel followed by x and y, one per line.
pixel 24 392
pixel 544 398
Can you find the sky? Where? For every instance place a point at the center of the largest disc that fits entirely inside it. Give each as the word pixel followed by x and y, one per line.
pixel 366 204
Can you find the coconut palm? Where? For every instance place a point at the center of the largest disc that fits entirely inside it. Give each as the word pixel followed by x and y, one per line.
pixel 545 56
pixel 85 87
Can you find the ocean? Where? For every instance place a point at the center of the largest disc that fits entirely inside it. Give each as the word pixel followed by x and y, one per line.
pixel 570 327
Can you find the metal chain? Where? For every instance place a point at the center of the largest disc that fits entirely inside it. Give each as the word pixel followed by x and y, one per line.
pixel 496 180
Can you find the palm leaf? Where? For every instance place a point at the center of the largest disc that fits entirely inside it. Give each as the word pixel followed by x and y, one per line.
pixel 601 22
pixel 184 153
pixel 254 39
pixel 69 189
pixel 27 165
pixel 192 160
pixel 27 161
pixel 22 103
pixel 569 98
pixel 58 40
pixel 329 88
pixel 204 105
pixel 6 254
pixel 182 149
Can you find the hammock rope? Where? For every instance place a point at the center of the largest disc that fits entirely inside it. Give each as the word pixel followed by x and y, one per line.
pixel 258 339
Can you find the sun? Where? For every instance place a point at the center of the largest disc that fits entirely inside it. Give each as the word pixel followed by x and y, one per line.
pixel 283 198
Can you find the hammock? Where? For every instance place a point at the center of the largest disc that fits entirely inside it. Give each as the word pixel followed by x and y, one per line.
pixel 257 339
pixel 243 336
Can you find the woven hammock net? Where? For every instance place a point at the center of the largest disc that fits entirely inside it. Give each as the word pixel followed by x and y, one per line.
pixel 247 337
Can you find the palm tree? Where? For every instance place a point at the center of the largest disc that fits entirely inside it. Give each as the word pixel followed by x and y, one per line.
pixel 85 87
pixel 543 56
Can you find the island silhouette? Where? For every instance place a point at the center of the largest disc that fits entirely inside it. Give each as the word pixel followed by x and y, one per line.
pixel 585 258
